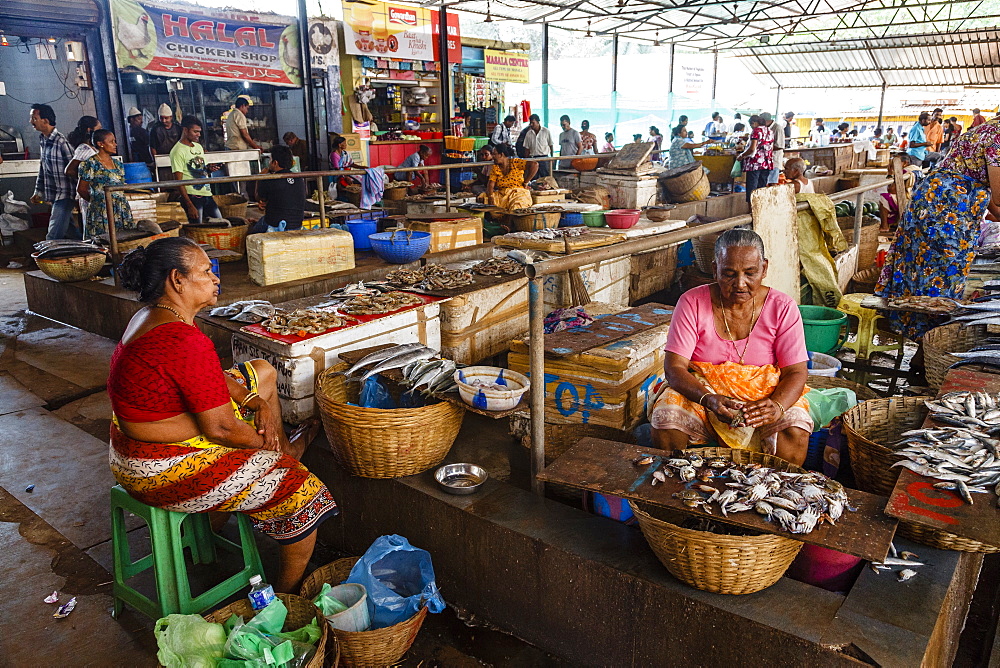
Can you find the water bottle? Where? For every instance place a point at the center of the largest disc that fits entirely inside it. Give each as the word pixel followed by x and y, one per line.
pixel 261 593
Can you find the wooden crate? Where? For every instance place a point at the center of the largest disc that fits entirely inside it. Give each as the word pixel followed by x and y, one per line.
pixel 651 272
pixel 299 364
pixel 142 209
pixel 607 282
pixel 606 385
pixel 630 192
pixel 170 211
pixel 481 323
pixel 279 257
pixel 450 234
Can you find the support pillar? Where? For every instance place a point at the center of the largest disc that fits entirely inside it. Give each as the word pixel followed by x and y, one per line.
pixel 307 98
pixel 545 74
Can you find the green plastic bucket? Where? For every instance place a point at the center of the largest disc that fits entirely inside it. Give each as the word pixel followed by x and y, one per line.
pixel 826 328
pixel 594 218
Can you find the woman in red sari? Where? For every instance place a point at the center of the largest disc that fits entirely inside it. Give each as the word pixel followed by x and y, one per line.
pixel 190 437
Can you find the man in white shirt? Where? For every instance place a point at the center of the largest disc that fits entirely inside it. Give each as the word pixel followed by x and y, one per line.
pixel 717 130
pixel 535 141
pixel 237 135
pixel 778 130
pixel 501 133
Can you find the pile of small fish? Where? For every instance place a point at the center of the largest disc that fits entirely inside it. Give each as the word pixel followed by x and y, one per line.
pixel 978 313
pixel 965 456
pixel 360 288
pixel 251 310
pixel 303 321
pixel 378 304
pixel 549 233
pixel 417 364
pixel 431 277
pixel 488 384
pixel 904 558
pixel 797 502
pixel 499 267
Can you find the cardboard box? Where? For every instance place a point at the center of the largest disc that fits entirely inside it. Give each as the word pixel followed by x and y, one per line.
pixel 450 234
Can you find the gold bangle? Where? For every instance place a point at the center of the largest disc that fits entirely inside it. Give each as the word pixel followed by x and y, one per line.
pixel 779 405
pixel 702 398
pixel 247 399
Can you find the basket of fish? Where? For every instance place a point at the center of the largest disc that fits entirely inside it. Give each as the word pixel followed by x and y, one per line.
pixel 942 343
pixel 385 442
pixel 723 558
pixel 872 427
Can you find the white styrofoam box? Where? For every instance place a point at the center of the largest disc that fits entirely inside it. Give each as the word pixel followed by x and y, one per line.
pixel 606 281
pixel 629 192
pixel 589 179
pixel 481 323
pixel 299 363
pixel 567 180
pixel 847 266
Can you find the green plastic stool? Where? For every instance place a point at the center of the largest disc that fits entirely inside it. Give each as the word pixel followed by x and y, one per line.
pixel 169 533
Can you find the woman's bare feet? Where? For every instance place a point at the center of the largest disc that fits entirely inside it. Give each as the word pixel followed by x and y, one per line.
pixel 302 436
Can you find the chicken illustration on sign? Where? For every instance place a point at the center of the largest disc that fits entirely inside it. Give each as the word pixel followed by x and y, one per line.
pixel 184 40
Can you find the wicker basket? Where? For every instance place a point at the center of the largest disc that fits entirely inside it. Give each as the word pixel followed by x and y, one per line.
pixel 75 268
pixel 232 238
pixel 697 193
pixel 825 382
pixel 704 252
pixel 864 281
pixel 941 341
pixel 868 245
pixel 870 427
pixel 392 193
pixel 942 540
pixel 380 443
pixel 232 205
pixel 680 180
pixel 126 246
pixel 350 196
pixel 529 222
pixel 361 649
pixel 301 611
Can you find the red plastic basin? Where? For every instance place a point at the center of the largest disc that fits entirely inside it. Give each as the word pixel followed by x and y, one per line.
pixel 622 219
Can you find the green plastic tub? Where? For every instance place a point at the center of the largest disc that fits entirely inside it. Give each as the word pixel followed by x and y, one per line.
pixel 826 328
pixel 594 218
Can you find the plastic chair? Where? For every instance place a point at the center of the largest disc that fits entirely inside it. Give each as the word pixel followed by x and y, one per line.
pixel 863 344
pixel 169 534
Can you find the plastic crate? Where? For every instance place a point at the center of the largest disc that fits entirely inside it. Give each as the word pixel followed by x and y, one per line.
pixel 480 142
pixel 457 176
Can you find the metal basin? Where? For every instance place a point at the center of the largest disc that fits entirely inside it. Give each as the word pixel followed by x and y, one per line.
pixel 461 478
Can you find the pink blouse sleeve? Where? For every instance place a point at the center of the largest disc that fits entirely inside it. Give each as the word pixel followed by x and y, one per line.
pixel 790 339
pixel 682 337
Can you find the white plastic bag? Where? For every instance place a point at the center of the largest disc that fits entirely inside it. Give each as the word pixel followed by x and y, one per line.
pixel 10 224
pixel 11 205
pixel 332 190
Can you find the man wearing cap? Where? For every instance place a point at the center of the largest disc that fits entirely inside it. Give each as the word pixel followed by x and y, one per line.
pixel 778 155
pixel 164 133
pixel 138 138
pixel 789 115
pixel 237 132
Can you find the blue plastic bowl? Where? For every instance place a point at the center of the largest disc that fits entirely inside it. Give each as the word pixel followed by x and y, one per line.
pixel 400 246
pixel 571 219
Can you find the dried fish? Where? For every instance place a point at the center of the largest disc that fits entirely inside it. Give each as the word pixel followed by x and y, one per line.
pixel 302 322
pixel 499 267
pixel 379 304
pixel 431 277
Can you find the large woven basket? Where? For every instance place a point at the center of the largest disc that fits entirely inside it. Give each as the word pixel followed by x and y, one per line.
pixel 870 427
pixel 941 341
pixel 301 611
pixel 74 268
pixel 364 649
pixel 865 280
pixel 826 382
pixel 679 180
pixel 714 562
pixel 393 193
pixel 704 252
pixel 942 540
pixel 126 246
pixel 233 238
pixel 383 443
pixel 232 205
pixel 868 245
pixel 698 192
pixel 529 222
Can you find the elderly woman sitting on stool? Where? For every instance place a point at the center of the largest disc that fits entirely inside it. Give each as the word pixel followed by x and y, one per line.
pixel 736 361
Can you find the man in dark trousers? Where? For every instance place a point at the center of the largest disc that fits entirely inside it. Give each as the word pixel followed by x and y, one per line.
pixel 138 138
pixel 281 199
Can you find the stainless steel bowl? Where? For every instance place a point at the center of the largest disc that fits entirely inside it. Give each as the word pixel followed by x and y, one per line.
pixel 461 478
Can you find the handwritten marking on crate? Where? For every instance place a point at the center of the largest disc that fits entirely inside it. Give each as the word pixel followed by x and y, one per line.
pixel 567 395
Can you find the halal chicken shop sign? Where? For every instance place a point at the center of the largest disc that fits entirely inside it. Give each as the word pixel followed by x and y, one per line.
pixel 186 41
pixel 506 66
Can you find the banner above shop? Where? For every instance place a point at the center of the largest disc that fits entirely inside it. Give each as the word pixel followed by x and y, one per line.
pixel 323 51
pixel 185 41
pixel 380 29
pixel 506 66
pixel 454 37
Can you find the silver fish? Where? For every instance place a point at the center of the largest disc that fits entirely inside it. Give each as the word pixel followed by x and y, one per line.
pixel 380 355
pixel 894 561
pixel 400 361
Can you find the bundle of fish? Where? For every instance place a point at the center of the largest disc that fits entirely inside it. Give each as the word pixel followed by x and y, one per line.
pixel 301 322
pixel 977 313
pixel 499 267
pixel 797 502
pixel 250 310
pixel 986 351
pixel 395 357
pixel 360 288
pixel 431 277
pixel 378 304
pixel 549 233
pixel 65 248
pixel 435 376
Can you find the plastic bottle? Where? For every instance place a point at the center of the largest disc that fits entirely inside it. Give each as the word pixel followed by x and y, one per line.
pixel 261 593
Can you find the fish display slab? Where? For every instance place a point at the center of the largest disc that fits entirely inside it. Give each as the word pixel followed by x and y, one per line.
pixel 915 499
pixel 606 466
pixel 607 329
pixel 396 375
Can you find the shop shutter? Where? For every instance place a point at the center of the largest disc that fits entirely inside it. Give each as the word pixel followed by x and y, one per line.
pixel 44 18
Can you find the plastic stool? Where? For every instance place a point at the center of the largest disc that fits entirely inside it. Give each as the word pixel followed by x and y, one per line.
pixel 169 533
pixel 868 318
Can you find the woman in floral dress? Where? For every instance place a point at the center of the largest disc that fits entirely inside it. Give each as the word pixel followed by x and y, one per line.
pixel 758 157
pixel 935 241
pixel 100 170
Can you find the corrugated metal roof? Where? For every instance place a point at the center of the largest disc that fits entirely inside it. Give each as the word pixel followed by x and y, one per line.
pixel 949 59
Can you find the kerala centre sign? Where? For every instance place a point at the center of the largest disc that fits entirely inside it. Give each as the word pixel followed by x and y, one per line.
pixel 506 66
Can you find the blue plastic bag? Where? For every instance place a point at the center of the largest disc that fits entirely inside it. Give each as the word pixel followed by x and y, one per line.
pixel 399 579
pixel 374 394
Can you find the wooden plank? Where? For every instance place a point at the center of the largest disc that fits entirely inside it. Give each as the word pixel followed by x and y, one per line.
pixel 605 466
pixel 396 375
pixel 775 219
pixel 630 156
pixel 607 329
pixel 915 499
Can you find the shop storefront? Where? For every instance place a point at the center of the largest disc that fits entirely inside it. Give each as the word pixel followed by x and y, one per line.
pixel 479 82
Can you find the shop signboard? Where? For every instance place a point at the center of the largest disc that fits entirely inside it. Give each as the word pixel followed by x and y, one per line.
pixel 323 50
pixel 388 30
pixel 506 66
pixel 454 36
pixel 185 41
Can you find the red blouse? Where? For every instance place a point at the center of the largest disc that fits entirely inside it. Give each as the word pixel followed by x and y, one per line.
pixel 170 370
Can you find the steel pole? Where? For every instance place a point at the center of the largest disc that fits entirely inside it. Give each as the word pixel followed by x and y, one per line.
pixel 307 98
pixel 881 105
pixel 545 74
pixel 536 365
pixel 112 233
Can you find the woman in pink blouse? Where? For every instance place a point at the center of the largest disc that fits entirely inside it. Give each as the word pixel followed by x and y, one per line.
pixel 736 362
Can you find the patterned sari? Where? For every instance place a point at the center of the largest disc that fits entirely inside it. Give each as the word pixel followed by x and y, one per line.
pixel 279 494
pixel 744 382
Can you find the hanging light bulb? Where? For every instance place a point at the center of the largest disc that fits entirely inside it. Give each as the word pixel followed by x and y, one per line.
pixel 138 78
pixel 52 40
pixel 489 15
pixel 656 42
pixel 589 34
pixel 246 84
pixel 3 40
